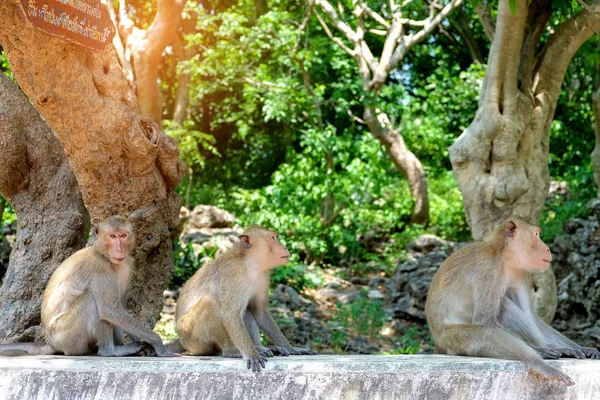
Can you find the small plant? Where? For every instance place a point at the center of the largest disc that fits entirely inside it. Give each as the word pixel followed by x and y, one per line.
pixel 362 317
pixel 410 342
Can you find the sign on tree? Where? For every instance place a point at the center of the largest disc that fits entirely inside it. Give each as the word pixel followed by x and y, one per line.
pixel 85 22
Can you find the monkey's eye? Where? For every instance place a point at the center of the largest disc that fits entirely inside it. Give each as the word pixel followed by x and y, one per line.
pixel 275 238
pixel 123 235
pixel 537 234
pixel 112 236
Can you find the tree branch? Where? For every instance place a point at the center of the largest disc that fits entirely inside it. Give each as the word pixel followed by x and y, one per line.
pixel 557 53
pixel 118 42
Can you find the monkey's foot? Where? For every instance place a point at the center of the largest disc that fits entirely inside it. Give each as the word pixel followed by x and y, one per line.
pixel 264 351
pixel 146 351
pixel 591 352
pixel 546 371
pixel 571 353
pixel 279 351
pixel 256 363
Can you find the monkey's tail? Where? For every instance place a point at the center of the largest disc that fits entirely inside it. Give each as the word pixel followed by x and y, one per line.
pixel 175 346
pixel 24 349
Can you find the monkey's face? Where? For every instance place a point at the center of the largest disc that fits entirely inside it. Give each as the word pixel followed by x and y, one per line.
pixel 532 253
pixel 280 253
pixel 117 244
pixel 265 248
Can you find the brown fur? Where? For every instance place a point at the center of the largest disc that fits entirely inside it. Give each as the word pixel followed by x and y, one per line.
pixel 221 308
pixel 83 303
pixel 478 303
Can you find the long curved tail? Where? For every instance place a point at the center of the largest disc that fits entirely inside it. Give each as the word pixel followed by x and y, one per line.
pixel 25 349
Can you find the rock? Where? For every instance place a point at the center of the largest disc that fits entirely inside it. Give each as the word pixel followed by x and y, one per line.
pixel 576 264
pixel 211 217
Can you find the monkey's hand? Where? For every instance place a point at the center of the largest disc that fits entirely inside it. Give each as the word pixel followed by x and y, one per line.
pixel 298 351
pixel 264 351
pixel 575 353
pixel 591 352
pixel 548 354
pixel 256 363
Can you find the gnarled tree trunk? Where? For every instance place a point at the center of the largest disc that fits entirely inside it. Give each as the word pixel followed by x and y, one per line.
pixel 52 222
pixel 123 162
pixel 501 160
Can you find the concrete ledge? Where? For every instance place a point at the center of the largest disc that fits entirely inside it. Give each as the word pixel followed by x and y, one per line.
pixel 296 377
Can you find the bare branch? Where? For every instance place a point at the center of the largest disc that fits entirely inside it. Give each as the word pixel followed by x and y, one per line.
pixel 485 16
pixel 336 21
pixel 377 18
pixel 383 69
pixel 333 38
pixel 303 26
pixel 409 41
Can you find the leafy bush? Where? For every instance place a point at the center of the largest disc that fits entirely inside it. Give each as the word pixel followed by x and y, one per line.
pixel 362 317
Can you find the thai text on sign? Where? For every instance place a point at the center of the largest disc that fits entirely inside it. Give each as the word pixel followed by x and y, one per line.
pixel 85 22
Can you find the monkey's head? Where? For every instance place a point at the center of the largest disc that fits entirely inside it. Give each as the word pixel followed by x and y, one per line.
pixel 263 247
pixel 114 238
pixel 526 249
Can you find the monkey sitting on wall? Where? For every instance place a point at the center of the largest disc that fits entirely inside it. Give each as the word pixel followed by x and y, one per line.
pixel 221 308
pixel 478 302
pixel 83 304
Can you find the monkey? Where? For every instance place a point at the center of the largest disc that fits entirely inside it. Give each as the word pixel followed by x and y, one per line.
pixel 223 306
pixel 83 303
pixel 478 302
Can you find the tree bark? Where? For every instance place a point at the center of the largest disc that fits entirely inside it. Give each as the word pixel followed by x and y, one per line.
pixel 501 160
pixel 123 162
pixel 52 222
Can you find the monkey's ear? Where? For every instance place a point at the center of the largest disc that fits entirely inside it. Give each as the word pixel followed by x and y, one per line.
pixel 245 241
pixel 95 231
pixel 511 229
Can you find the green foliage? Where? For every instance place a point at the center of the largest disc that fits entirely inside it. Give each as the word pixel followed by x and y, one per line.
pixel 410 342
pixel 5 65
pixel 187 262
pixel 362 317
pixel 191 142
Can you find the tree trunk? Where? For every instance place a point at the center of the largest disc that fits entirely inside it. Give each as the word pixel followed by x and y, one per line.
pixel 146 47
pixel 380 126
pixel 501 160
pixel 123 162
pixel 52 222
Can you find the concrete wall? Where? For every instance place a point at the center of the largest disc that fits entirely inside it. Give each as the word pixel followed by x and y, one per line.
pixel 298 377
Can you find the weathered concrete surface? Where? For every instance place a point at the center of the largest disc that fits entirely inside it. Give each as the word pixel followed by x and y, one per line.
pixel 299 377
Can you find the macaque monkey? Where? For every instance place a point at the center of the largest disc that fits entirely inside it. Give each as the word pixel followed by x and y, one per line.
pixel 83 304
pixel 221 308
pixel 478 302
